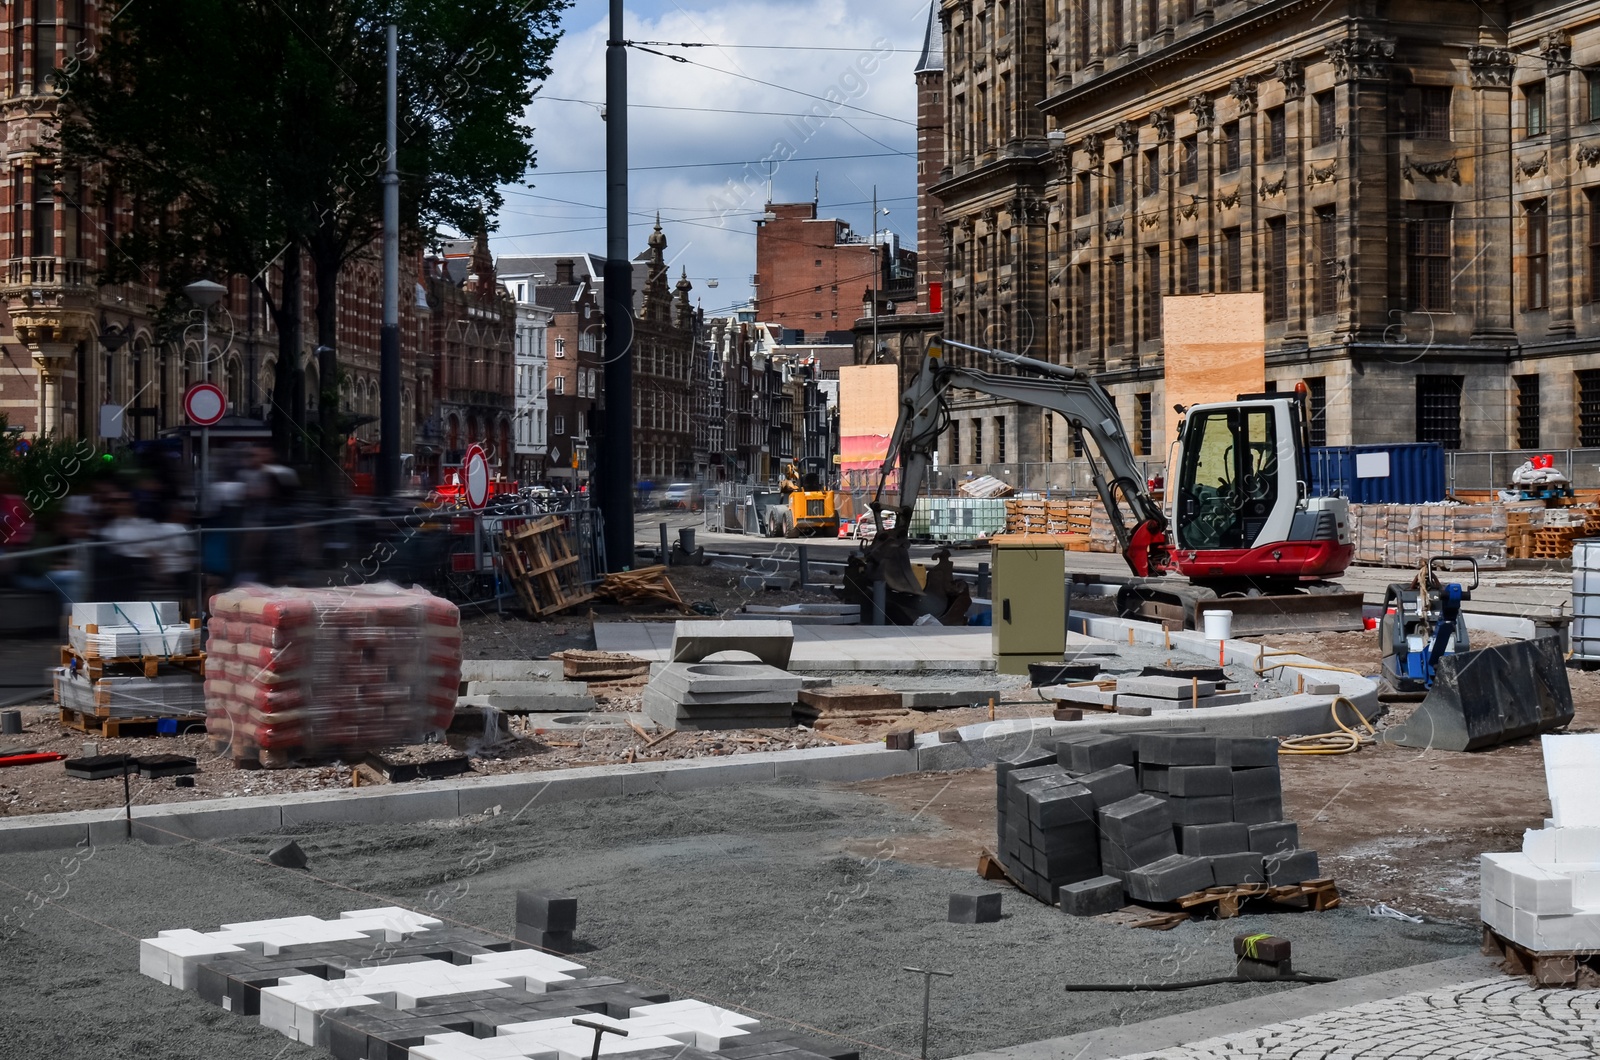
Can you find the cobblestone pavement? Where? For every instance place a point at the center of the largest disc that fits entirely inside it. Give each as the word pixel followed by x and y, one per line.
pixel 1489 1019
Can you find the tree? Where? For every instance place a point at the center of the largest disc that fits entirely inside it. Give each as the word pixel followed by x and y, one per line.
pixel 244 134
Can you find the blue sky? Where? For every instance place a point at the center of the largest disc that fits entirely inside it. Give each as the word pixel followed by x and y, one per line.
pixel 747 99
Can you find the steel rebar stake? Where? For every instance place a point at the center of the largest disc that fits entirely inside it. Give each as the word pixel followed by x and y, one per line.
pixel 599 1029
pixel 927 995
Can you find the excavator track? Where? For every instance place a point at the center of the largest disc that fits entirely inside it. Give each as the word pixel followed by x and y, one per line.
pixel 1181 605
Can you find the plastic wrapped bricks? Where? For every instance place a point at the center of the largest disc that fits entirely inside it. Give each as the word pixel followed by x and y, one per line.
pixel 317 673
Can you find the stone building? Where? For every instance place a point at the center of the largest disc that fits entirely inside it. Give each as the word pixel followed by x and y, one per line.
pixel 72 346
pixel 663 355
pixel 469 340
pixel 531 351
pixel 1416 194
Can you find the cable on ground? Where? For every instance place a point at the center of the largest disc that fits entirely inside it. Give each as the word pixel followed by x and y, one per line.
pixel 1343 742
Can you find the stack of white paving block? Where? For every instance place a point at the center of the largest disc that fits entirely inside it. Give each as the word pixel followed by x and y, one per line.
pixel 1546 898
pixel 125 629
pixel 298 1004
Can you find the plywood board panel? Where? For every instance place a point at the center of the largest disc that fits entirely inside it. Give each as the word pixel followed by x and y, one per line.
pixel 1215 350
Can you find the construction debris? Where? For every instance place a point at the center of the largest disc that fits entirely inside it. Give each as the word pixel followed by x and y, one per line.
pixel 543 568
pixel 647 585
pixel 579 664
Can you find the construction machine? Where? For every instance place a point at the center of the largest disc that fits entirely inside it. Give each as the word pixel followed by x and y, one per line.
pixel 1243 522
pixel 809 509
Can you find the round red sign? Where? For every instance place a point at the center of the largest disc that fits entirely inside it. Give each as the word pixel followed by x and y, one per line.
pixel 204 404
pixel 475 477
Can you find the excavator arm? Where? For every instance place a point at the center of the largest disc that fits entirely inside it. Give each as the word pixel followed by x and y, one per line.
pixel 924 416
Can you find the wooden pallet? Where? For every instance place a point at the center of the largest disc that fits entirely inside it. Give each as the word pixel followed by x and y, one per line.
pixel 647 585
pixel 149 665
pixel 111 728
pixel 1225 903
pixel 543 568
pixel 1553 968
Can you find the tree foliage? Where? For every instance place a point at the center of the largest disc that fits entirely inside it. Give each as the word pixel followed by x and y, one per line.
pixel 248 133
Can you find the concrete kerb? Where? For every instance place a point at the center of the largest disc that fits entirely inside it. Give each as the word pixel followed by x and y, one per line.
pixel 979 746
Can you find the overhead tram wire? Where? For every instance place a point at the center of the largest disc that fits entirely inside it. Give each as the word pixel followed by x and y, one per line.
pixel 708 110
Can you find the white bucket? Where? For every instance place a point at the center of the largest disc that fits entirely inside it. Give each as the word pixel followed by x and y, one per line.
pixel 1219 625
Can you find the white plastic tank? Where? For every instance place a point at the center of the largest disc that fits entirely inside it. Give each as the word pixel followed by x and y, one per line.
pixel 1586 599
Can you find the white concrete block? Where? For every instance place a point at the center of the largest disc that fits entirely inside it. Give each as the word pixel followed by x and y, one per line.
pixel 1585 888
pixel 173 957
pixel 1539 890
pixel 390 923
pixel 1572 776
pixel 1540 845
pixel 1577 846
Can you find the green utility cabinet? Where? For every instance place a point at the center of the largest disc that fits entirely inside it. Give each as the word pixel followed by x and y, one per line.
pixel 1029 600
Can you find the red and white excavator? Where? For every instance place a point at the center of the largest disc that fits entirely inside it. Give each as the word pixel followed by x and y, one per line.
pixel 1243 522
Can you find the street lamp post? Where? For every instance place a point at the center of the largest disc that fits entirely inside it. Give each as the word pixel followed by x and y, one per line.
pixel 205 294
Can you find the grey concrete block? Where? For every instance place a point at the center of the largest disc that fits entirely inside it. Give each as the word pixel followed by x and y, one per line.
pixel 1135 710
pixel 1094 753
pixel 974 908
pixel 548 941
pixel 1057 805
pixel 1257 783
pixel 288 856
pixel 368 806
pixel 1153 777
pixel 770 641
pixel 172 823
pixel 24 835
pixel 1227 699
pixel 531 702
pixel 1202 840
pixel 1247 752
pixel 1206 809
pixel 1322 688
pixel 1026 758
pixel 1177 749
pixel 1274 837
pixel 1294 867
pixel 1237 868
pixel 1091 897
pixel 1199 780
pixel 1085 696
pixel 1111 785
pixel 546 911
pixel 1130 820
pixel 1169 879
pixel 1015 778
pixel 510 670
pixel 681 679
pixel 934 699
pixel 1171 688
pixel 1258 811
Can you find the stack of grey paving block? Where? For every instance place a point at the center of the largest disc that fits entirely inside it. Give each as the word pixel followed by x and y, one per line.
pixel 692 693
pixel 1152 694
pixel 1173 814
pixel 521 687
pixel 546 921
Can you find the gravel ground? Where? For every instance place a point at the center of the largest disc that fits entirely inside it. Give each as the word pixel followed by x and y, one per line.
pixel 788 901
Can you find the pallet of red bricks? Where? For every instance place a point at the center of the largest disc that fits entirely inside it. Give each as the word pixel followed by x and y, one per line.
pixel 306 674
pixel 1093 820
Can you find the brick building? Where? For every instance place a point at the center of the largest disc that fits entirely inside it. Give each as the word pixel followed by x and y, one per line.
pixel 814 274
pixel 1415 194
pixel 573 393
pixel 663 354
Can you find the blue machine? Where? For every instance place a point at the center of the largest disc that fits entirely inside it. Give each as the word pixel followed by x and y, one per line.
pixel 1421 624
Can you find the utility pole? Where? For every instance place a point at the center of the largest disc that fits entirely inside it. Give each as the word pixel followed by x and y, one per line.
pixel 616 457
pixel 389 333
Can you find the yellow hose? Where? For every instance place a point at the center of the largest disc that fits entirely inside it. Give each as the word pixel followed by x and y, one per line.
pixel 1345 741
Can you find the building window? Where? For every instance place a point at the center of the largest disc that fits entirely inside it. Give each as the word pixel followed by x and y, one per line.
pixel 1277 300
pixel 561 347
pixel 1594 244
pixel 1152 171
pixel 1533 102
pixel 1189 270
pixel 1116 297
pixel 1152 17
pixel 1083 195
pixel 1428 257
pixel 44 214
pixel 977 441
pixel 1326 250
pixel 1152 293
pixel 1589 407
pixel 1325 130
pixel 1317 409
pixel 1538 248
pixel 817 264
pixel 558 424
pixel 1232 261
pixel 1114 193
pixel 1081 309
pixel 999 439
pixel 1230 147
pixel 1425 112
pixel 1189 160
pixel 1277 135
pixel 1439 410
pixel 561 384
pixel 1527 411
pixel 1145 438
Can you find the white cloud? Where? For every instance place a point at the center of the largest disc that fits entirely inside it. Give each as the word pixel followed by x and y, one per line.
pixel 708 212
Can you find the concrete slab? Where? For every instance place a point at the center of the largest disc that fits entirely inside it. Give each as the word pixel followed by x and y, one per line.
pixel 531 703
pixel 1572 776
pixel 771 642
pixel 24 835
pixel 498 687
pixel 892 648
pixel 1165 687
pixel 511 670
pixel 679 677
pixel 933 699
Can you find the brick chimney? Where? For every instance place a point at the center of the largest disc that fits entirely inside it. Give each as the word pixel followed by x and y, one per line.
pixel 564 272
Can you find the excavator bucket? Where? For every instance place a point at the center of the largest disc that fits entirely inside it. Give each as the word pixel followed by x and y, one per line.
pixel 1490 696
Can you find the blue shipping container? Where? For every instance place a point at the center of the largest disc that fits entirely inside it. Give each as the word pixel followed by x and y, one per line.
pixel 1411 473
